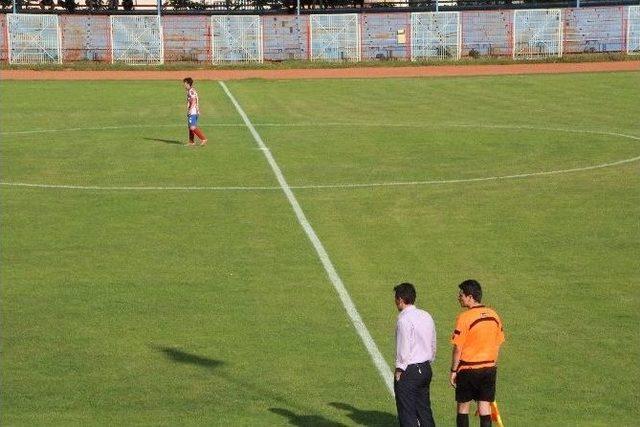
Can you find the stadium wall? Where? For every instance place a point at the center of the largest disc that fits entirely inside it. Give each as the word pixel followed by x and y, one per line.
pixel 4 43
pixel 382 36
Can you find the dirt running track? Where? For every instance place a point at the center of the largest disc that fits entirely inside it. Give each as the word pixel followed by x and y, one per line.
pixel 371 72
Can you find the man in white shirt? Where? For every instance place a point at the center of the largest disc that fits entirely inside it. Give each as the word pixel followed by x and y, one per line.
pixel 415 350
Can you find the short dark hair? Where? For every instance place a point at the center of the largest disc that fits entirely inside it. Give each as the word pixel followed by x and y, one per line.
pixel 188 80
pixel 406 292
pixel 473 288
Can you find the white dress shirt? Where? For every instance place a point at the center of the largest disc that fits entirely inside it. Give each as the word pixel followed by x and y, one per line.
pixel 415 337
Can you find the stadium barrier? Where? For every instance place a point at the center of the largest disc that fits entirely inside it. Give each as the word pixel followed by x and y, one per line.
pixel 236 38
pixel 435 35
pixel 33 39
pixel 593 30
pixel 633 30
pixel 147 39
pixel 137 40
pixel 537 33
pixel 334 37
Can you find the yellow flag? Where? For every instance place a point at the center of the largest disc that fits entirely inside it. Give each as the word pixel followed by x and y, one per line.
pixel 495 414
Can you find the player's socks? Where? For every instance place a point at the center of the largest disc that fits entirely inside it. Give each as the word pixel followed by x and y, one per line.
pixel 199 134
pixel 462 420
pixel 485 420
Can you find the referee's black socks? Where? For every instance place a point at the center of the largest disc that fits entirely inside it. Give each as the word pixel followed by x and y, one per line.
pixel 485 420
pixel 462 420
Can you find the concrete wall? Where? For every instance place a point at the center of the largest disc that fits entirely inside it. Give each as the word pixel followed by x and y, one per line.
pixel 597 29
pixel 487 33
pixel 285 37
pixel 4 43
pixel 85 37
pixel 381 38
pixel 187 39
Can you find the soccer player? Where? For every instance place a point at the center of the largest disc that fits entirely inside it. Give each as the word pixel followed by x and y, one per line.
pixel 476 342
pixel 193 111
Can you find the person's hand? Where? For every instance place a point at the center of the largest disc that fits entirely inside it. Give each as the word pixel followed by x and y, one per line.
pixel 452 379
pixel 398 374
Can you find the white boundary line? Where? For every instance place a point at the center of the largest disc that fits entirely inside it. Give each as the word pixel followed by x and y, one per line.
pixel 327 186
pixel 338 186
pixel 336 124
pixel 129 188
pixel 361 329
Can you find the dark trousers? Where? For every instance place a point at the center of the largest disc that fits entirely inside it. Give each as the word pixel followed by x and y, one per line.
pixel 412 396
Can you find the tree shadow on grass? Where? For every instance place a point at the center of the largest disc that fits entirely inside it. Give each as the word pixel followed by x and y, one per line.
pixel 166 141
pixel 367 418
pixel 306 420
pixel 180 356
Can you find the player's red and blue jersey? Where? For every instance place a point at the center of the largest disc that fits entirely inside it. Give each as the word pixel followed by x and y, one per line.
pixel 193 105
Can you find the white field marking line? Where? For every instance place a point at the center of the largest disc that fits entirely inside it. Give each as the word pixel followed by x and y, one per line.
pixel 349 306
pixel 96 187
pixel 356 185
pixel 456 181
pixel 22 132
pixel 328 186
pixel 334 124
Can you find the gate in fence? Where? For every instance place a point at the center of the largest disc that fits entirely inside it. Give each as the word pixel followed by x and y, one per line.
pixel 33 39
pixel 334 37
pixel 137 40
pixel 633 31
pixel 435 35
pixel 236 38
pixel 537 33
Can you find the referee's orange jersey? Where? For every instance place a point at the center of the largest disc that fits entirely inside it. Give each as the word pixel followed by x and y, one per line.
pixel 478 334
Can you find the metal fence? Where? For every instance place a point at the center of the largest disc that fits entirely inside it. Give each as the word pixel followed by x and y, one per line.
pixel 365 36
pixel 280 7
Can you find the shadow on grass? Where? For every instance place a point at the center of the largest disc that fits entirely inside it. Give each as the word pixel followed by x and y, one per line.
pixel 258 392
pixel 166 141
pixel 180 356
pixel 305 420
pixel 367 418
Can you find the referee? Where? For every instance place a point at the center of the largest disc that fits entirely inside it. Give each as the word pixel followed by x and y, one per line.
pixel 476 342
pixel 415 350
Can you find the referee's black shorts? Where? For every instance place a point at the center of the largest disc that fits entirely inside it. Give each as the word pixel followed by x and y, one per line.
pixel 476 384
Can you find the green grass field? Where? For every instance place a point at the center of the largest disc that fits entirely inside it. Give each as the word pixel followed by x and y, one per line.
pixel 210 306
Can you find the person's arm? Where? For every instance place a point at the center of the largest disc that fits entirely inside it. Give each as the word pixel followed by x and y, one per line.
pixel 457 339
pixel 434 341
pixel 402 348
pixel 455 362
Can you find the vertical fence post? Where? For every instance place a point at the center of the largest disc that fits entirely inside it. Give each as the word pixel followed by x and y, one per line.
pixel 159 9
pixel 298 7
pixel 15 8
pixel 437 5
pixel 578 4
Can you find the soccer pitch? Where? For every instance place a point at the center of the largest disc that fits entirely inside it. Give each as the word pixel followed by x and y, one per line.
pixel 148 283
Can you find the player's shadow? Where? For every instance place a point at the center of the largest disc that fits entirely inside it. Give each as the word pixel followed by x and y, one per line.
pixel 305 420
pixel 367 418
pixel 166 141
pixel 180 356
